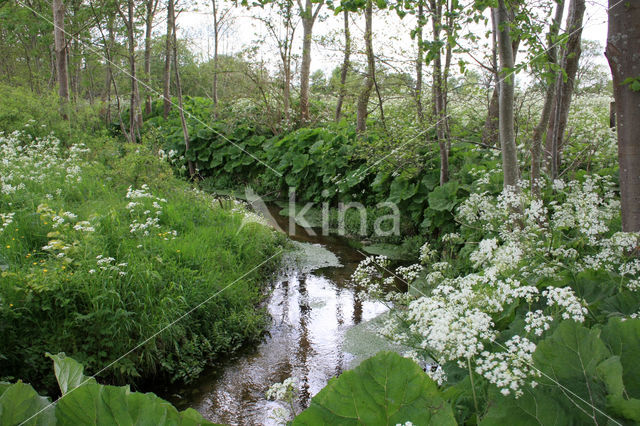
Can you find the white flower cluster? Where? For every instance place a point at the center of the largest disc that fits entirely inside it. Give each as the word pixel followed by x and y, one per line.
pixel 144 220
pixel 449 325
pixel 369 277
pixel 7 219
pixel 537 322
pixel 511 369
pixel 565 298
pixel 25 160
pixel 426 253
pixel 84 226
pixel 283 391
pixel 585 209
pixel 108 264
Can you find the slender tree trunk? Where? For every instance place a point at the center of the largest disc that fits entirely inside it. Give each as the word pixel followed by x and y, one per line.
pixel 150 12
pixel 623 45
pixel 490 132
pixel 135 114
pixel 109 72
pixel 564 90
pixel 438 98
pixel 183 121
pixel 216 38
pixel 552 58
pixel 506 120
pixel 167 62
pixel 61 57
pixel 286 91
pixel 308 19
pixel 419 61
pixel 363 98
pixel 345 66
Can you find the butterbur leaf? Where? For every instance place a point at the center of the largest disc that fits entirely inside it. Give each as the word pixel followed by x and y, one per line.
pixel 384 390
pixel 443 198
pixel 569 358
pixel 21 404
pixel 623 339
pixel 69 372
pixel 532 408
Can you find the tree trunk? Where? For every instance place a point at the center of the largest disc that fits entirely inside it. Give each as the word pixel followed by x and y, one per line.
pixel 623 45
pixel 506 120
pixel 183 121
pixel 564 89
pixel 150 12
pixel 135 114
pixel 419 60
pixel 363 98
pixel 216 38
pixel 536 140
pixel 308 19
pixel 166 95
pixel 345 66
pixel 490 132
pixel 61 57
pixel 437 87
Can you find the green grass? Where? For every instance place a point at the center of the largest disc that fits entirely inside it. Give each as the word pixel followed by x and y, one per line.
pixel 60 300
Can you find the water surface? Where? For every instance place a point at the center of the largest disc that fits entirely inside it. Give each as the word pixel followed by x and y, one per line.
pixel 311 310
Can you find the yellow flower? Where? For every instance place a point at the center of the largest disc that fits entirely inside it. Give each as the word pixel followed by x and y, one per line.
pixel 44 270
pixel 8 246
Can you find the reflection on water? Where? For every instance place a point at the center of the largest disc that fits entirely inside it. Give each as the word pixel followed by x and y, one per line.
pixel 310 312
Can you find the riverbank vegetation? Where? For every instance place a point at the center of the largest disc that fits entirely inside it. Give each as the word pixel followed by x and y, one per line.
pixel 513 176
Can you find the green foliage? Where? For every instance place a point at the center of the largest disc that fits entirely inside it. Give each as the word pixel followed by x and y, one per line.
pixel 84 402
pixel 384 390
pixel 585 376
pixel 56 296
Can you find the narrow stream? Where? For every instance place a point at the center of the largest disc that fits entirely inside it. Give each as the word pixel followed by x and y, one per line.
pixel 311 309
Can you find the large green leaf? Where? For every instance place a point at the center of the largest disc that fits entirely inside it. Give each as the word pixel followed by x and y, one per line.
pixel 69 372
pixel 568 361
pixel 19 402
pixel 84 401
pixel 443 198
pixel 384 390
pixel 401 189
pixel 532 408
pixel 623 339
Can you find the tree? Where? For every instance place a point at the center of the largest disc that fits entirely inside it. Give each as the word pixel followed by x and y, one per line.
pixel 219 20
pixel 135 113
pixel 61 57
pixel 183 121
pixel 365 91
pixel 507 77
pixel 419 60
pixel 552 59
pixel 282 33
pixel 150 11
pixel 309 16
pixel 166 95
pixel 623 45
pixel 565 85
pixel 344 70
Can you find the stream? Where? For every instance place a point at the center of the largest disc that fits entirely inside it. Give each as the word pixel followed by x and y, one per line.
pixel 312 305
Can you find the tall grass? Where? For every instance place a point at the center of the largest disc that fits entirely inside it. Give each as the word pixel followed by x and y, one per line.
pixel 77 278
